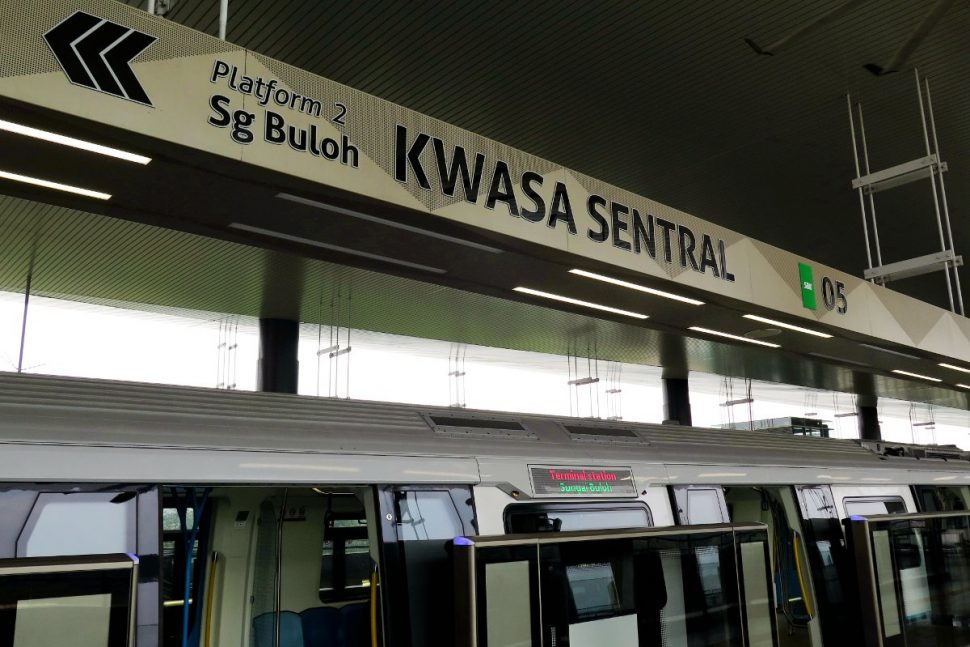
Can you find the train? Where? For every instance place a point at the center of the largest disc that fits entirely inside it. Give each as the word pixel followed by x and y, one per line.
pixel 163 516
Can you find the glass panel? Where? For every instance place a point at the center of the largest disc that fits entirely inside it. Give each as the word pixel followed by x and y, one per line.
pixel 703 506
pixel 428 515
pixel 872 506
pixel 78 524
pixel 923 574
pixel 44 601
pixel 663 589
pixel 507 604
pixel 530 518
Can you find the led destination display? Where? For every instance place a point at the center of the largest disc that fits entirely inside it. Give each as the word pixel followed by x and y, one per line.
pixel 549 480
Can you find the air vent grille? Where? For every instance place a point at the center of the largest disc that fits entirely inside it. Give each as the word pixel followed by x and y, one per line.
pixel 593 434
pixel 478 425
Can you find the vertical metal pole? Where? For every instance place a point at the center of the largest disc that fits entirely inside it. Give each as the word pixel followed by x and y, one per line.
pixel 223 18
pixel 862 200
pixel 23 323
pixel 936 198
pixel 151 7
pixel 946 209
pixel 872 202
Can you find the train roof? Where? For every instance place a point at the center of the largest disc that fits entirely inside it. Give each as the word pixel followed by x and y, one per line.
pixel 40 410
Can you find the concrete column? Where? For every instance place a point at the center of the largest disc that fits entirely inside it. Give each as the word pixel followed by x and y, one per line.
pixel 279 341
pixel 676 401
pixel 868 418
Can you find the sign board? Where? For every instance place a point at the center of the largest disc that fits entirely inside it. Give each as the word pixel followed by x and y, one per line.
pixel 583 481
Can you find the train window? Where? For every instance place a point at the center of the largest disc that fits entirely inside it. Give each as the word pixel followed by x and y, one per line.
pixel 345 571
pixel 551 517
pixel 427 515
pixel 83 601
pixel 859 505
pixel 698 504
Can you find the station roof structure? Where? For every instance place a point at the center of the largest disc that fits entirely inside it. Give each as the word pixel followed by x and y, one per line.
pixel 666 102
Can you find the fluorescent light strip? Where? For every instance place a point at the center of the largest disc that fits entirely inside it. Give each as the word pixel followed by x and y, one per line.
pixel 789 326
pixel 891 352
pixel 335 248
pixel 36 133
pixel 916 375
pixel 964 386
pixel 387 223
pixel 634 286
pixel 577 302
pixel 955 368
pixel 47 184
pixel 736 337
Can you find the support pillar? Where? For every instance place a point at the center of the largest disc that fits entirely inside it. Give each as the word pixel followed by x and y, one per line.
pixel 278 369
pixel 868 418
pixel 676 401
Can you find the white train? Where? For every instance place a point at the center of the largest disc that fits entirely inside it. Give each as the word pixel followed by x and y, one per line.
pixel 152 515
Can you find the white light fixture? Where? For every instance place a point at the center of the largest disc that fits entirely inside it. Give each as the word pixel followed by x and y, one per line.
pixel 916 375
pixel 955 368
pixel 782 324
pixel 289 197
pixel 47 184
pixel 36 133
pixel 577 302
pixel 964 386
pixel 335 248
pixel 735 337
pixel 634 286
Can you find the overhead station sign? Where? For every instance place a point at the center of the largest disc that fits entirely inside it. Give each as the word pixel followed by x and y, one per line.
pixel 551 480
pixel 117 65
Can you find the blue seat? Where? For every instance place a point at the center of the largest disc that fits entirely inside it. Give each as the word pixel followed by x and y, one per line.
pixel 322 627
pixel 356 623
pixel 291 630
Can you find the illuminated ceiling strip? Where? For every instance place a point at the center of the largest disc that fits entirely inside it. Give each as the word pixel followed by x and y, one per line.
pixel 782 324
pixel 577 302
pixel 964 386
pixel 47 184
pixel 634 286
pixel 916 375
pixel 335 248
pixel 54 138
pixel 735 337
pixel 955 368
pixel 387 223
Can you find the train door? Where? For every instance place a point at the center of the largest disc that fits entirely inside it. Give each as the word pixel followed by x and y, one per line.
pixel 794 601
pixel 829 564
pixel 270 567
pixel 78 565
pixel 418 524
pixel 619 588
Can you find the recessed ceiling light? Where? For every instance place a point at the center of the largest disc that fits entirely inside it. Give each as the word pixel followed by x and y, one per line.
pixel 955 368
pixel 789 326
pixel 335 248
pixel 289 197
pixel 916 375
pixel 964 386
pixel 577 302
pixel 634 286
pixel 47 184
pixel 735 337
pixel 63 140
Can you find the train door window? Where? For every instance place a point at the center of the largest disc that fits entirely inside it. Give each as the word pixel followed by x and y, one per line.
pixel 699 504
pixel 867 505
pixel 940 498
pixel 421 523
pixel 556 517
pixel 829 565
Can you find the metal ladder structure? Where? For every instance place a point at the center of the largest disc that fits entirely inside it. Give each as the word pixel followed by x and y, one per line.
pixel 867 183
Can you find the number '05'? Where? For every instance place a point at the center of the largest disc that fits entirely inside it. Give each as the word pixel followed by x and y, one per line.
pixel 833 295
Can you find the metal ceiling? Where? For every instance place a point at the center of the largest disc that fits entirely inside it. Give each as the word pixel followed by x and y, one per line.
pixel 665 99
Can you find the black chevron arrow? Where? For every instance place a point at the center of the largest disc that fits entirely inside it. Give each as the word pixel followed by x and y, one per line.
pixel 96 53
